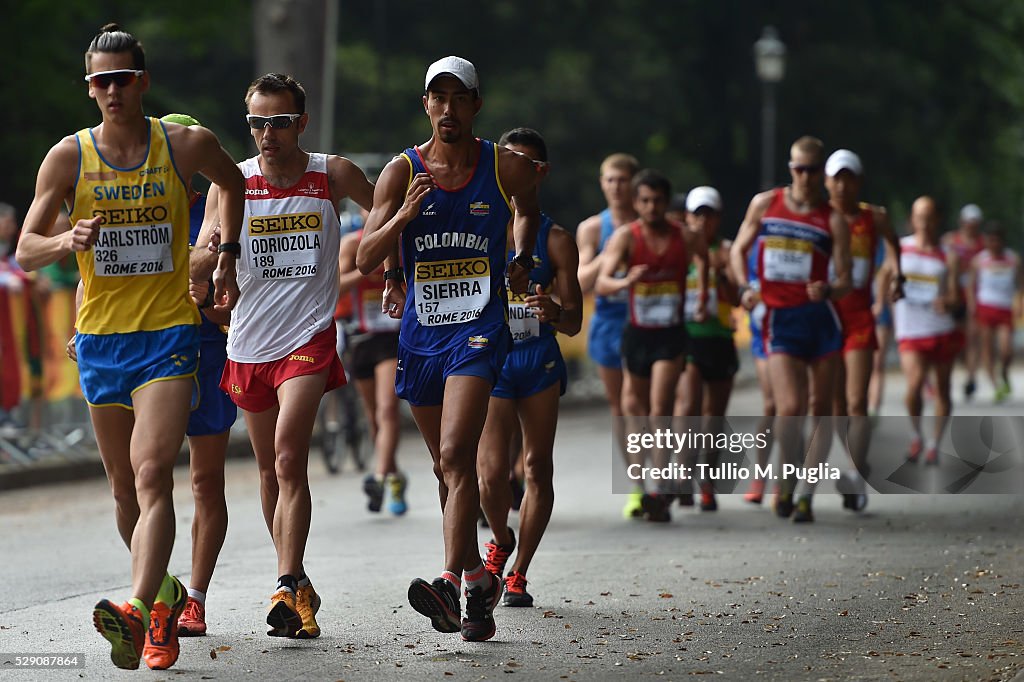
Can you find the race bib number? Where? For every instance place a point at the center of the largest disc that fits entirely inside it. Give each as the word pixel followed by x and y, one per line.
pixel 374 320
pixel 284 246
pixel 861 260
pixel 656 304
pixel 861 271
pixel 133 250
pixel 921 290
pixel 452 291
pixel 787 260
pixel 522 320
pixel 997 286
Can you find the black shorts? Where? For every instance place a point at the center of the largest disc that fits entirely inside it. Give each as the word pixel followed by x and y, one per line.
pixel 714 356
pixel 370 352
pixel 641 348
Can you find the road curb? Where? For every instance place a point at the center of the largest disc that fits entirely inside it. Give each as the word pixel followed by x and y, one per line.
pixel 45 473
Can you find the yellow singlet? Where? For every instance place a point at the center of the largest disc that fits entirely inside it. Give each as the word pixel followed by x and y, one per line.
pixel 136 275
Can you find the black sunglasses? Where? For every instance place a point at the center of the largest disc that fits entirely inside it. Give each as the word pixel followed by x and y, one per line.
pixel 122 78
pixel 275 121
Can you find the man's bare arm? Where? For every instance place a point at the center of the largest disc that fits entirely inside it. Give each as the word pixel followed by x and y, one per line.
pixel 54 185
pixel 565 262
pixel 396 202
pixel 202 261
pixel 841 264
pixel 588 238
pixel 520 177
pixel 616 253
pixel 749 229
pixel 348 273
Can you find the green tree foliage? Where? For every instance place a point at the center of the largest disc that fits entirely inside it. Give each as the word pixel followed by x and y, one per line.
pixel 929 94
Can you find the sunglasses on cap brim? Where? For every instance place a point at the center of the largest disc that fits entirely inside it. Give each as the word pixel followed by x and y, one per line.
pixel 122 78
pixel 275 121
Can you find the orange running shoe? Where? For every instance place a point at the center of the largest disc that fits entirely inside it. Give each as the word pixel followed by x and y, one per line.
pixel 756 493
pixel 122 627
pixel 914 452
pixel 193 620
pixel 283 616
pixel 161 650
pixel 307 603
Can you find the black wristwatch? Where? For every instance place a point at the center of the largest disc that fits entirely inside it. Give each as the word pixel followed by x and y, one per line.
pixel 234 248
pixel 523 260
pixel 394 273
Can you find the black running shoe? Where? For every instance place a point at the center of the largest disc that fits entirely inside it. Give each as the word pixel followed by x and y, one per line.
pixel 497 555
pixel 515 591
pixel 803 512
pixel 855 502
pixel 656 507
pixel 969 388
pixel 438 601
pixel 374 490
pixel 783 505
pixel 478 625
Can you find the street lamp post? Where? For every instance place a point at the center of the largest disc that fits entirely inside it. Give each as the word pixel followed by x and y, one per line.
pixel 770 61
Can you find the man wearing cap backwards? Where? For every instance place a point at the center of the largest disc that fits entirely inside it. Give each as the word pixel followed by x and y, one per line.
pixel 869 225
pixel 282 354
pixel 927 334
pixel 448 203
pixel 138 340
pixel 796 235
pixel 706 383
pixel 967 242
pixel 656 254
pixel 528 390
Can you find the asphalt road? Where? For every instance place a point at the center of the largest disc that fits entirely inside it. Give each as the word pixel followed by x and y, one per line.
pixel 920 587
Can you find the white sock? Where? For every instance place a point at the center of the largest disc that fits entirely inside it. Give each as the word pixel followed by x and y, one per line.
pixel 478 577
pixel 197 595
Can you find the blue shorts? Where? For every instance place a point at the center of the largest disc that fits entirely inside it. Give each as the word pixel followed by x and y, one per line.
pixel 885 318
pixel 756 333
pixel 604 340
pixel 420 378
pixel 809 331
pixel 216 413
pixel 111 367
pixel 530 368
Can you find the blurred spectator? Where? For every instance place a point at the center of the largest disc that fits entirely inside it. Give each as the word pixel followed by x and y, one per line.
pixel 55 287
pixel 13 290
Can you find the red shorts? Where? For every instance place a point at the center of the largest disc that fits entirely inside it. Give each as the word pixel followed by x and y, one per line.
pixel 858 330
pixel 253 385
pixel 937 350
pixel 988 316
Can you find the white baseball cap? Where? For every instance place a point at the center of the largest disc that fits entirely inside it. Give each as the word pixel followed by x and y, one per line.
pixel 843 159
pixel 703 196
pixel 971 213
pixel 462 69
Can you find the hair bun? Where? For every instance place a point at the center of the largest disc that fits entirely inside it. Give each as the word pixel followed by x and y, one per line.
pixel 112 27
